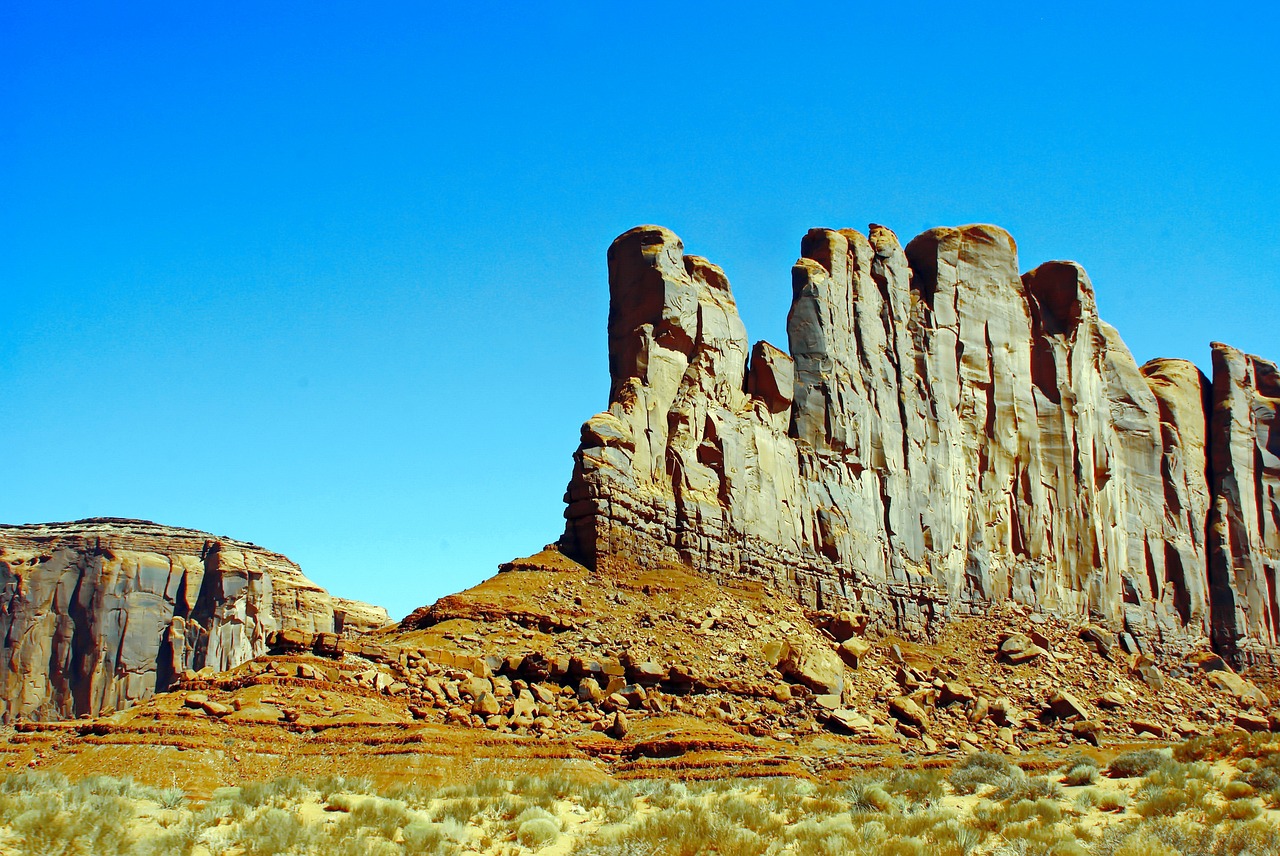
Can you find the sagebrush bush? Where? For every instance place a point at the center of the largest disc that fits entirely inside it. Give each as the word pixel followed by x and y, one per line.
pixel 981 768
pixel 171 798
pixel 1237 790
pixel 538 832
pixel 916 785
pixel 1081 774
pixel 382 816
pixel 1023 787
pixel 270 832
pixel 1130 765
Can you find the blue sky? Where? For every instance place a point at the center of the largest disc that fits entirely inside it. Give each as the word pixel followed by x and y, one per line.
pixel 331 277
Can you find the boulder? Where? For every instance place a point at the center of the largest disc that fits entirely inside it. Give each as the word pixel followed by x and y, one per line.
pixel 850 721
pixel 817 668
pixel 1064 705
pixel 905 710
pixel 1252 722
pixel 589 690
pixel 1238 688
pixel 847 624
pixel 1110 701
pixel 1147 726
pixel 485 704
pixel 1020 648
pixel 1103 640
pixel 1087 729
pixel 953 692
pixel 852 651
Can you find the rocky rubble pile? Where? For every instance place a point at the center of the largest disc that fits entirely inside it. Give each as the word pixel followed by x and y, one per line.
pixel 767 669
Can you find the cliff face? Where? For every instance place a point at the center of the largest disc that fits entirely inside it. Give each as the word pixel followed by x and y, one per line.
pixel 1244 521
pixel 102 613
pixel 943 434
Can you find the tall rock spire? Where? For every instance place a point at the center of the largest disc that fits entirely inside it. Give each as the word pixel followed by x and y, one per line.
pixel 944 434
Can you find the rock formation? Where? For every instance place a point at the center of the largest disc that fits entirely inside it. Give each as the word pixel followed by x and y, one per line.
pixel 944 434
pixel 1244 522
pixel 102 613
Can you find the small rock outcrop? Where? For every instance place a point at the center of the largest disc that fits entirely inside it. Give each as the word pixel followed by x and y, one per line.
pixel 103 613
pixel 942 434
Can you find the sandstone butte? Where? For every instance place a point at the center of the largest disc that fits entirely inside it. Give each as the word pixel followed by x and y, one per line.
pixel 954 514
pixel 942 434
pixel 98 614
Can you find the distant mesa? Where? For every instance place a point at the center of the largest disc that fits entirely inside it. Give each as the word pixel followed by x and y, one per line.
pixel 942 434
pixel 99 614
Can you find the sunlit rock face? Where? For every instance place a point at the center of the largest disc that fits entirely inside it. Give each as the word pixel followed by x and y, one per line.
pixel 99 614
pixel 1244 522
pixel 941 434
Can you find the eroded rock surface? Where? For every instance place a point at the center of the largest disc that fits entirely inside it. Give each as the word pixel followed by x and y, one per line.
pixel 102 613
pixel 1244 523
pixel 942 434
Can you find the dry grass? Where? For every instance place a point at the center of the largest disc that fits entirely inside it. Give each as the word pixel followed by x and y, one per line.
pixel 984 805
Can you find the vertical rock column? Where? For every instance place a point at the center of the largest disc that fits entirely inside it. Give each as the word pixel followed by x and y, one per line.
pixel 1244 523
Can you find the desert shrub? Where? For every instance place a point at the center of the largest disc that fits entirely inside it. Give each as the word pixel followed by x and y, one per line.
pixel 1130 765
pixel 1173 787
pixel 836 834
pixel 756 815
pixel 545 790
pixel 1028 827
pixel 47 830
pixel 538 832
pixel 1112 801
pixel 462 810
pixel 869 796
pixel 337 842
pixel 385 817
pixel 1244 809
pixel 615 848
pixel 682 831
pixel 1021 787
pixel 171 798
pixel 486 787
pixel 779 789
pixel 1262 773
pixel 1162 802
pixel 1237 790
pixel 981 768
pixel 329 785
pixel 106 786
pixel 423 837
pixel 1207 747
pixel 277 793
pixel 181 839
pixel 1102 800
pixel 270 832
pixel 1253 838
pixel 505 807
pixel 916 785
pixel 33 782
pixel 414 794
pixel 1081 774
pixel 615 801
pixel 831 797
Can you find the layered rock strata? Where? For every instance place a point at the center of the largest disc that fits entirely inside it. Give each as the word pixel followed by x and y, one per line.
pixel 102 613
pixel 942 434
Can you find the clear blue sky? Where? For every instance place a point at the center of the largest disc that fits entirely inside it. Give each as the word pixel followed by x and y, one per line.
pixel 331 277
